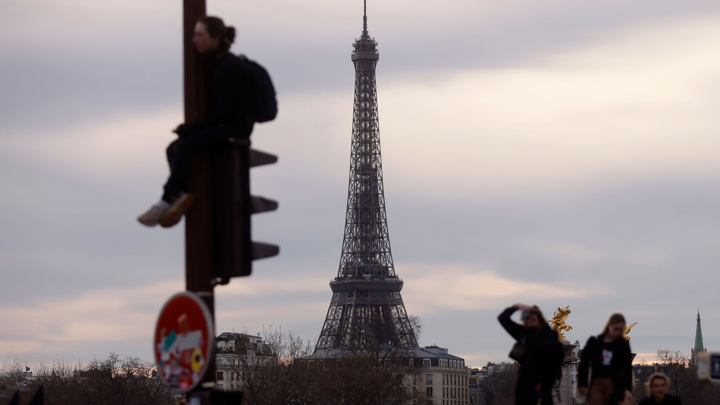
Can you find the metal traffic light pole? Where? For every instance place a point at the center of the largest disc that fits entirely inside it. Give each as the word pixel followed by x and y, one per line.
pixel 199 258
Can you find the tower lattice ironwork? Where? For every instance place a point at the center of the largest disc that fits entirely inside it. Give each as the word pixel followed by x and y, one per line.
pixel 366 307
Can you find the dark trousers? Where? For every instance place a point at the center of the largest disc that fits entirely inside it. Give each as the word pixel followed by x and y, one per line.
pixel 181 152
pixel 526 393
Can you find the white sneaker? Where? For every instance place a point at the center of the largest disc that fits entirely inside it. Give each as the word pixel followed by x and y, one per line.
pixel 177 209
pixel 152 216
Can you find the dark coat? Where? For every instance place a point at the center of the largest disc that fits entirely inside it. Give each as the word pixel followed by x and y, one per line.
pixel 668 400
pixel 226 99
pixel 544 353
pixel 620 368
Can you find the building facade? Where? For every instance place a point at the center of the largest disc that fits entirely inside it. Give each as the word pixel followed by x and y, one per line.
pixel 238 357
pixel 566 387
pixel 443 378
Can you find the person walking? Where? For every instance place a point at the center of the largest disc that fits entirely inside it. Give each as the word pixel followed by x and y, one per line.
pixel 609 357
pixel 657 387
pixel 540 356
pixel 228 116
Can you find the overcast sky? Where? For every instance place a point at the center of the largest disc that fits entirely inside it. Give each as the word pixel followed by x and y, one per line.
pixel 551 152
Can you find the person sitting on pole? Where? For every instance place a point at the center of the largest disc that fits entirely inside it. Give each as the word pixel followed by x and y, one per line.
pixel 228 116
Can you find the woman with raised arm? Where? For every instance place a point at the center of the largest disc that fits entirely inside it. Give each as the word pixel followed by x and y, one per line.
pixel 541 356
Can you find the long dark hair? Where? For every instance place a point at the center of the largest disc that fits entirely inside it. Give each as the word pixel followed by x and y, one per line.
pixel 614 320
pixel 217 28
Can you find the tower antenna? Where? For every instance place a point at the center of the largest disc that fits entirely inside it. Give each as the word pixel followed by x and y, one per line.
pixel 364 17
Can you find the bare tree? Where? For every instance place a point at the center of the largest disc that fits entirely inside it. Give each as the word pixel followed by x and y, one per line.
pixel 674 364
pixel 12 379
pixel 499 385
pixel 113 381
pixel 264 369
pixel 279 371
pixel 375 366
pixel 683 378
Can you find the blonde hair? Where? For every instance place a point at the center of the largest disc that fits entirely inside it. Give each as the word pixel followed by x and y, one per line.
pixel 655 376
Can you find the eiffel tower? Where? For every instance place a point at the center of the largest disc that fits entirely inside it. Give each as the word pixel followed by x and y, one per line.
pixel 366 307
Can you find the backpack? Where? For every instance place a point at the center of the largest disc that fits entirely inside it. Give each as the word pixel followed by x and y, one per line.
pixel 261 99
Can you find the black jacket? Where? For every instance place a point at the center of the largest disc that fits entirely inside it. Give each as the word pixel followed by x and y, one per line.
pixel 544 353
pixel 668 400
pixel 619 369
pixel 226 99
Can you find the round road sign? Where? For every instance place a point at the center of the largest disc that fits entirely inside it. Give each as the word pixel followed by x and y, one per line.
pixel 184 339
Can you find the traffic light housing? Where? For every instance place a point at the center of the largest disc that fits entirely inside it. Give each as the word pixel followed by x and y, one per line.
pixel 714 364
pixel 708 366
pixel 233 208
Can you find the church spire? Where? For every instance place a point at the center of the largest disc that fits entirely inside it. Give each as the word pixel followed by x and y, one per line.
pixel 699 347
